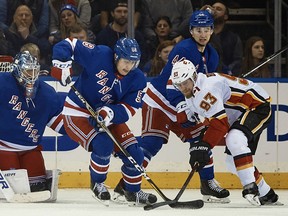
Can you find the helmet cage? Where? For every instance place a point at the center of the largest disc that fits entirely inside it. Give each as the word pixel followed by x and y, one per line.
pixel 26 68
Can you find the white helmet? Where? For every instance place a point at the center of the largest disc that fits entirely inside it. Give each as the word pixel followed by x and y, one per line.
pixel 183 71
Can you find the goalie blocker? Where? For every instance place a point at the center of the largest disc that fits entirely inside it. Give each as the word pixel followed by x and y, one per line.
pixel 14 187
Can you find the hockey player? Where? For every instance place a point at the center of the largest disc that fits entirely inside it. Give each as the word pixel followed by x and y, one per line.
pixel 178 118
pixel 27 106
pixel 112 84
pixel 238 109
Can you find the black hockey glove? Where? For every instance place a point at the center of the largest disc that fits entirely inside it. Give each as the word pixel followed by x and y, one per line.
pixel 199 152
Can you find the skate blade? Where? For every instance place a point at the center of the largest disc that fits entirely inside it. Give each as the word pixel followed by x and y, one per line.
pixel 119 199
pixel 135 204
pixel 253 199
pixel 103 202
pixel 277 203
pixel 212 199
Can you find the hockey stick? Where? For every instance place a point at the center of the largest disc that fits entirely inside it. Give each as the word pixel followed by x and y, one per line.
pixel 269 58
pixel 123 150
pixel 11 196
pixel 195 204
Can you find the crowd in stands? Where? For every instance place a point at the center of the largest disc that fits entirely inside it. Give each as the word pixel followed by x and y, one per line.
pixel 102 22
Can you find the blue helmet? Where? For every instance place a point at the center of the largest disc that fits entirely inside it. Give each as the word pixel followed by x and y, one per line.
pixel 127 48
pixel 201 18
pixel 26 70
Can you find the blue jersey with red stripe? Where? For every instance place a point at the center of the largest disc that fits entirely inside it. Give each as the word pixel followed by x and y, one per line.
pixel 99 83
pixel 23 120
pixel 205 62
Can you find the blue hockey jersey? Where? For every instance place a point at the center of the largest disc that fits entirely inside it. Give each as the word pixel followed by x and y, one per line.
pixel 99 83
pixel 23 121
pixel 205 62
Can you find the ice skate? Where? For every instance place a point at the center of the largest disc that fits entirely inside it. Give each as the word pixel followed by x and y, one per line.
pixel 250 192
pixel 271 198
pixel 139 198
pixel 101 193
pixel 213 193
pixel 118 194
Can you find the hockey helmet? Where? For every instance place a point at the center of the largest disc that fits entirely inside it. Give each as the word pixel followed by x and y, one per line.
pixel 127 48
pixel 201 18
pixel 182 71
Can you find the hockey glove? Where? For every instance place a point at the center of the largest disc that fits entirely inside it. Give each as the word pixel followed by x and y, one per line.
pixel 105 115
pixel 185 117
pixel 199 152
pixel 62 71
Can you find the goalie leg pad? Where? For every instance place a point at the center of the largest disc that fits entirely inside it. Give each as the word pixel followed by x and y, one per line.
pixel 18 180
pixel 11 196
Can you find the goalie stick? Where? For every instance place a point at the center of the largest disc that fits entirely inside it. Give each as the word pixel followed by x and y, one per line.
pixel 195 204
pixel 123 150
pixel 11 196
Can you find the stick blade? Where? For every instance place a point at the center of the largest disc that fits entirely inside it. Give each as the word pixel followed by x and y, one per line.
pixel 194 204
pixel 159 204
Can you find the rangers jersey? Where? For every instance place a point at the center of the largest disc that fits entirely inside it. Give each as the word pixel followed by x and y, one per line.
pixel 222 97
pixel 187 49
pixel 23 120
pixel 99 83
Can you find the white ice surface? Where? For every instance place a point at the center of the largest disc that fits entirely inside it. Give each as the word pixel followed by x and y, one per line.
pixel 79 202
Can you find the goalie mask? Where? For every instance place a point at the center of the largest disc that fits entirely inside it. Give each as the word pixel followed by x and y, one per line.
pixel 26 70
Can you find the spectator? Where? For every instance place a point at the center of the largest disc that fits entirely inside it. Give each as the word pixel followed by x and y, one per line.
pixel 162 29
pixel 254 54
pixel 81 33
pixel 69 16
pixel 118 29
pixel 4 46
pixel 83 7
pixel 155 65
pixel 96 8
pixel 34 50
pixel 105 15
pixel 39 8
pixel 179 12
pixel 227 43
pixel 23 30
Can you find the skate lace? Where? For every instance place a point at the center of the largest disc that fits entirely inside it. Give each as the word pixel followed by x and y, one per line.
pixel 214 185
pixel 100 187
pixel 140 195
